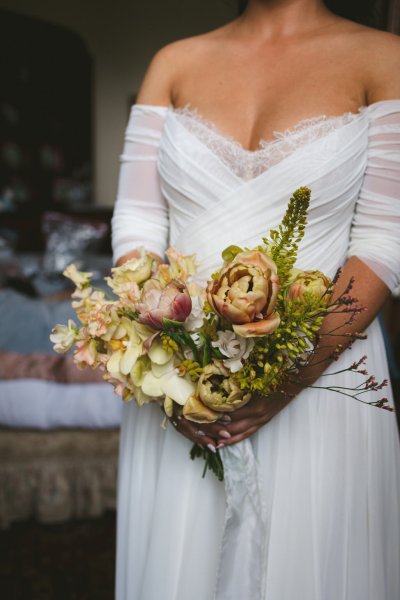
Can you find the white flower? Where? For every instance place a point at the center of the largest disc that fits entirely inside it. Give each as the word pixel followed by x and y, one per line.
pixel 195 320
pixel 180 267
pixel 128 345
pixel 63 336
pixel 234 347
pixel 80 278
pixel 157 376
pixel 126 278
pixel 164 380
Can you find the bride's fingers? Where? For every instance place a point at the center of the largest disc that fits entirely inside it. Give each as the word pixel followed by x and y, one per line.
pixel 241 430
pixel 238 426
pixel 214 434
pixel 193 432
pixel 240 436
pixel 255 408
pixel 211 430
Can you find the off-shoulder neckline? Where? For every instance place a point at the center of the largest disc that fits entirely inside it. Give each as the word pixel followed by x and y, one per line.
pixel 173 108
pixel 347 117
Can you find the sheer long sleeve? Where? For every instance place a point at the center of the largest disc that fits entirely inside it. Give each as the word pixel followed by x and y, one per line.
pixel 140 214
pixel 375 233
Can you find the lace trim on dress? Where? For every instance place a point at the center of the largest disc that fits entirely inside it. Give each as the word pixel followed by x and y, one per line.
pixel 247 164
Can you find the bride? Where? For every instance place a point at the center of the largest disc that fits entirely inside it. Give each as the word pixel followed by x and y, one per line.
pixel 204 167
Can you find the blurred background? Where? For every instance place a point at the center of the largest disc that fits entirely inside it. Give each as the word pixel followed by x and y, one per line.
pixel 69 73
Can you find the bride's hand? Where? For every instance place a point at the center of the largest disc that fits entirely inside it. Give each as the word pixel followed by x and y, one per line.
pixel 137 254
pixel 236 426
pixel 247 420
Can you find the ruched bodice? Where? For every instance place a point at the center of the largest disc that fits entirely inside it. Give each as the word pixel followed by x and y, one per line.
pixel 329 466
pixel 201 191
pixel 207 201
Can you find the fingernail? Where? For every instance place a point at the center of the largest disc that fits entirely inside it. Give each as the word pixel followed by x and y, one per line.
pixel 211 447
pixel 220 446
pixel 224 434
pixel 199 432
pixel 226 418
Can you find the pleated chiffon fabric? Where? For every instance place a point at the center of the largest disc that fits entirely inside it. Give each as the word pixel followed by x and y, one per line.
pixel 329 466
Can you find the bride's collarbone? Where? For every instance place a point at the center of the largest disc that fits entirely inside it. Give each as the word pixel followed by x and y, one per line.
pixel 252 113
pixel 250 105
pixel 251 126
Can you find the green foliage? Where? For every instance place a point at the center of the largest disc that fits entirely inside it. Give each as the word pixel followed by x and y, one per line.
pixel 213 461
pixel 275 355
pixel 191 368
pixel 230 252
pixel 282 244
pixel 206 348
pixel 174 330
pixel 168 343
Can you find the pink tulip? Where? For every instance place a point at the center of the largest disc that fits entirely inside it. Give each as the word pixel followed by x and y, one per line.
pixel 158 303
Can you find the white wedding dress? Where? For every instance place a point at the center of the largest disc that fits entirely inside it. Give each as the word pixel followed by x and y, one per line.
pixel 328 466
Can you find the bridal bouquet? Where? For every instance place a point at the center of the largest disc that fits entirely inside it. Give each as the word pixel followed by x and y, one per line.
pixel 202 352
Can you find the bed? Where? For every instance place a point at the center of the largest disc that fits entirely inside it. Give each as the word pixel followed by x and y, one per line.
pixel 59 426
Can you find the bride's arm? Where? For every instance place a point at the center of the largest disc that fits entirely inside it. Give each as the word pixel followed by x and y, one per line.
pixel 371 292
pixel 140 214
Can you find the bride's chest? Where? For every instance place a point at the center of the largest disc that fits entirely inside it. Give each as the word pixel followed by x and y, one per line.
pixel 192 146
pixel 248 98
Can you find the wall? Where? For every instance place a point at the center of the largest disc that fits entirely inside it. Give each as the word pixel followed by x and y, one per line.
pixel 122 36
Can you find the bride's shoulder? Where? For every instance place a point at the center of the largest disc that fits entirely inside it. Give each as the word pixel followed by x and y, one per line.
pixel 376 42
pixel 381 61
pixel 375 55
pixel 162 72
pixel 186 50
pixel 174 60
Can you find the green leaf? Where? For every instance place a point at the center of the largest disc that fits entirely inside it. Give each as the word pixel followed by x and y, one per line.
pixel 171 323
pixel 216 353
pixel 282 244
pixel 230 252
pixel 206 358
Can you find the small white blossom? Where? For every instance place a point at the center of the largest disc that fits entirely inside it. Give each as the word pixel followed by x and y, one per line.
pixel 63 336
pixel 80 278
pixel 195 320
pixel 163 380
pixel 234 347
pixel 197 339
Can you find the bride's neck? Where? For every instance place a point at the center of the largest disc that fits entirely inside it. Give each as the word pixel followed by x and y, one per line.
pixel 280 18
